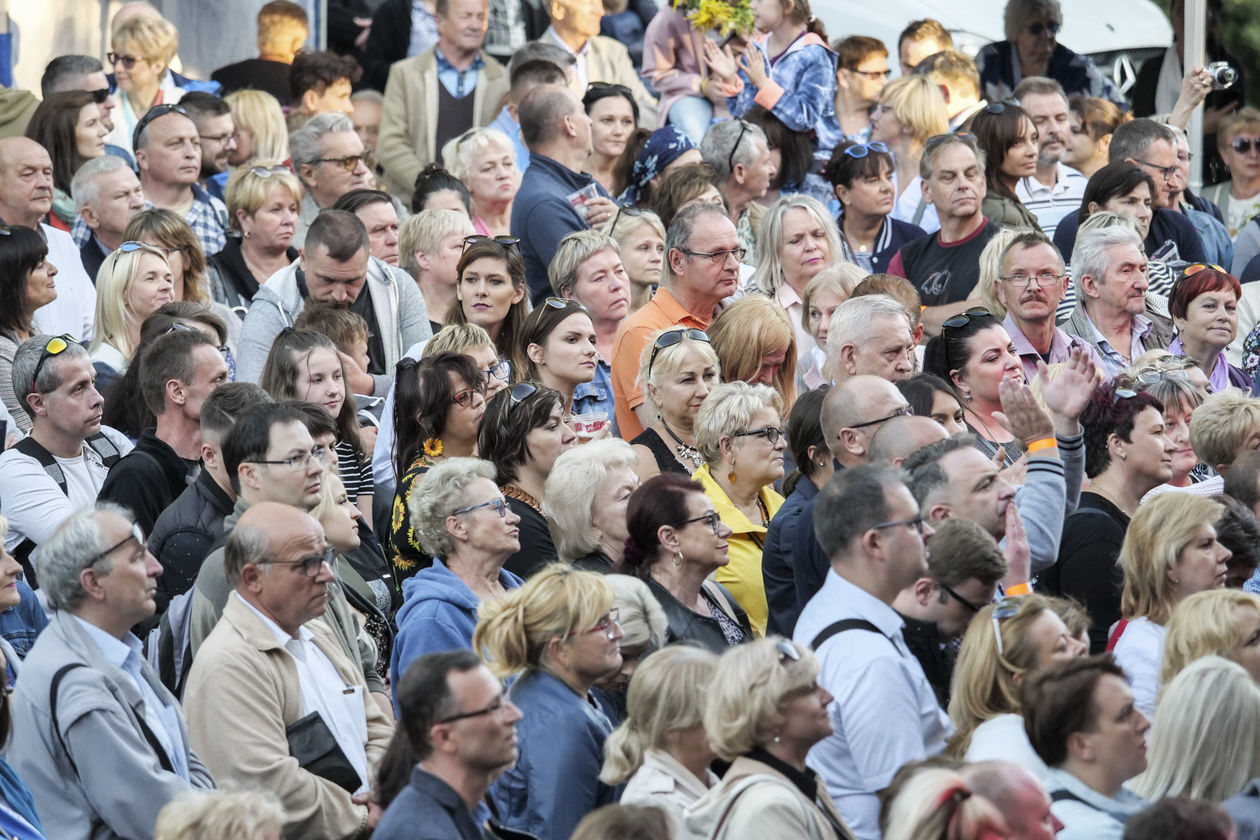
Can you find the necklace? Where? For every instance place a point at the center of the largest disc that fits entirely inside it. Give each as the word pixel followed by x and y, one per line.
pixel 683 450
pixel 987 430
pixel 513 492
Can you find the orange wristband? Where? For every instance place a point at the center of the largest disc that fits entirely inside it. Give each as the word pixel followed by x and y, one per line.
pixel 1043 443
pixel 1019 589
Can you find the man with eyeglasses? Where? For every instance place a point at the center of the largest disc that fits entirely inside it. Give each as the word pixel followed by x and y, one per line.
pixel 107 195
pixel 461 726
pixel 92 723
pixel 329 160
pixel 217 131
pixel 1032 281
pixel 26 196
pixel 60 467
pixel 861 74
pixel 1054 189
pixel 702 255
pixel 168 155
pixel 178 372
pixel 271 671
pixel 885 712
pixel 436 96
pixel 740 156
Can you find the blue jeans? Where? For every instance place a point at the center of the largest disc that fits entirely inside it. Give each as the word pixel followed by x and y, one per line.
pixel 692 116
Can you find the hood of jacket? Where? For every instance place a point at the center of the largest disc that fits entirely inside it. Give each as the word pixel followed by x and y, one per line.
pixel 437 583
pixel 281 289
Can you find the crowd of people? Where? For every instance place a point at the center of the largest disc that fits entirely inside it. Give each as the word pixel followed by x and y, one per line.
pixel 572 422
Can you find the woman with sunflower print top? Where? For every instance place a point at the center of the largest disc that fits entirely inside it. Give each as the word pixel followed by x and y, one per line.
pixel 438 406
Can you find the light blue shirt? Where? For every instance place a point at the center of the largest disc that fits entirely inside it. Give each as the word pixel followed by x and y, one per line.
pixel 458 83
pixel 125 654
pixel 512 129
pixel 1113 362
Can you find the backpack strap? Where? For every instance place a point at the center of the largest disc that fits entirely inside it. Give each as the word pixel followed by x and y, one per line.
pixel 104 447
pixel 31 448
pixel 842 626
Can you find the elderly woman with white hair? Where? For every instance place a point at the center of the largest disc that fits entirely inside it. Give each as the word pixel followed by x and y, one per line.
pixel 739 431
pixel 763 716
pixel 485 160
pixel 461 518
pixel 586 495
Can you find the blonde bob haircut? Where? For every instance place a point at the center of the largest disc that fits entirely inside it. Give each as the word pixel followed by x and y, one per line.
pixel 260 114
pixel 622 228
pixel 839 279
pixel 571 493
pixel 670 360
pixel 1019 12
pixel 113 284
pixel 424 232
pixel 459 154
pixel 573 250
pixel 769 274
pixel 438 494
pixel 150 36
pixel 327 490
pixel 1212 623
pixel 747 331
pixel 171 231
pixel 513 632
pixel 1205 739
pixel 984 684
pixel 247 193
pixel 456 338
pixel 729 409
pixel 1157 534
pixel 1221 425
pixel 667 693
pixel 743 708
pixel 212 814
pixel 919 105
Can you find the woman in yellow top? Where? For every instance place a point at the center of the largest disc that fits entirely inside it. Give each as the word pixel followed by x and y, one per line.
pixel 738 431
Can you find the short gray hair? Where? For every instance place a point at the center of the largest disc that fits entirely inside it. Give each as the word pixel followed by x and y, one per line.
pixel 855 320
pixel 26 359
pixel 541 51
pixel 367 95
pixel 719 141
pixel 574 249
pixel 850 503
pixel 83 186
pixel 570 493
pixel 684 224
pixel 1134 138
pixel 1089 254
pixel 246 544
pixel 438 494
pixel 306 145
pixel 728 409
pixel 71 549
pixel 769 274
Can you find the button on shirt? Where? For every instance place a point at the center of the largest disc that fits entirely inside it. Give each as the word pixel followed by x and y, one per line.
pixel 324 691
pixel 1051 204
pixel 162 719
pixel 885 712
pixel 1113 362
pixel 458 83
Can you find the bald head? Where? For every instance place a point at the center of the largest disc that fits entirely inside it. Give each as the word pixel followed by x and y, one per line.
pixel 853 412
pixel 26 181
pixel 1015 792
pixel 544 115
pixel 900 436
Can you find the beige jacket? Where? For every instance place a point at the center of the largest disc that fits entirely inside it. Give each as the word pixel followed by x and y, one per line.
pixel 772 808
pixel 242 693
pixel 409 116
pixel 609 62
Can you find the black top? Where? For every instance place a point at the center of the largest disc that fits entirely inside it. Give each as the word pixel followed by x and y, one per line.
pixel 92 254
pixel 387 42
pixel 239 284
pixel 690 627
pixel 428 807
pixel 455 115
pixel 1166 226
pixel 363 306
pixel 537 549
pixel 148 479
pixel 595 561
pixel 661 451
pixel 184 534
pixel 256 73
pixel 945 273
pixel 938 662
pixel 810 563
pixel 1087 569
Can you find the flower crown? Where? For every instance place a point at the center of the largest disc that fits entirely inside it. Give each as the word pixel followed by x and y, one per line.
pixel 722 16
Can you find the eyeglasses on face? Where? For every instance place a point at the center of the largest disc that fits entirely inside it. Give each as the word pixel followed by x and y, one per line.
pixel 1036 28
pixel 914 523
pixel 228 140
pixel 504 240
pixel 54 347
pixel 1021 281
pixel 136 534
pixel 127 61
pixel 348 163
pixel 499 506
pixel 1002 610
pixel 467 397
pixel 268 171
pixel 717 257
pixel 500 370
pixel 1165 172
pixel 960 599
pixel 1243 145
pixel 860 150
pixel 499 703
pixel 311 566
pixel 672 337
pixel 712 517
pixel 904 411
pixel 730 159
pixel 770 433
pixel 100 95
pixel 317 455
pixel 606 624
pixel 873 75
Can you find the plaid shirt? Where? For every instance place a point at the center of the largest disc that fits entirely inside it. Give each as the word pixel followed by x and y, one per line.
pixel 208 219
pixel 80 232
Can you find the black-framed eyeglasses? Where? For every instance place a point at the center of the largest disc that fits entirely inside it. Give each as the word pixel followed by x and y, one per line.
pixel 605 624
pixel 770 433
pixel 730 159
pixel 100 95
pixel 904 411
pixel 915 523
pixel 632 212
pixel 348 163
pixel 311 566
pixel 53 347
pixel 1036 28
pixel 937 139
pixel 502 239
pixel 1021 281
pixel 137 534
pixel 268 171
pixel 1165 172
pixel 712 517
pixel 717 257
pixel 787 652
pixel 960 599
pixel 153 113
pixel 672 337
pixel 127 61
pixel 498 505
pixel 494 708
pixel 228 139
pixel 1243 145
pixel 500 370
pixel 317 455
pixel 873 75
pixel 860 150
pixel 467 397
pixel 1006 608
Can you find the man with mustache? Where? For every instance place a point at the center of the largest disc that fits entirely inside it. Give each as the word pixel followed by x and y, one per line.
pixel 1055 189
pixel 1030 285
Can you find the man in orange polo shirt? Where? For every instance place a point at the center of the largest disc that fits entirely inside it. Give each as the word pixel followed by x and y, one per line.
pixel 703 268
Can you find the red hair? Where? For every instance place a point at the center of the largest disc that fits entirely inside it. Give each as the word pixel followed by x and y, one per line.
pixel 1189 287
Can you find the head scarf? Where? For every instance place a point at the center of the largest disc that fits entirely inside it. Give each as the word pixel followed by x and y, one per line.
pixel 664 147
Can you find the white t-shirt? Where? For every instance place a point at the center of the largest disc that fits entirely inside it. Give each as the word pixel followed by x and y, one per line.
pixel 74 311
pixel 1004 738
pixel 32 501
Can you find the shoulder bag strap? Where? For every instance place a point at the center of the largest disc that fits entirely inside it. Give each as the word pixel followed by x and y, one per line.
pixel 842 626
pixel 52 707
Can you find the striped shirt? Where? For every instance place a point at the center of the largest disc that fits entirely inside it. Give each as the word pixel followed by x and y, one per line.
pixel 1050 204
pixel 355 471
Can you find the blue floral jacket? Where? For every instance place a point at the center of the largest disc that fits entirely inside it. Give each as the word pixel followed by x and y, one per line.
pixel 801 90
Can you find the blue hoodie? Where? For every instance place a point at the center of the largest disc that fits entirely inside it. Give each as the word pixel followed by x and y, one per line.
pixel 439 613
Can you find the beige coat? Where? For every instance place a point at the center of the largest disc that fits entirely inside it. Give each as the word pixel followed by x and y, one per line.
pixel 773 808
pixel 409 116
pixel 242 693
pixel 609 62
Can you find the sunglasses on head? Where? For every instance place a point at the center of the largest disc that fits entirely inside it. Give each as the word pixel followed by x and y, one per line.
pixel 730 159
pixel 564 303
pixel 520 392
pixel 602 86
pixel 937 139
pixel 268 171
pixel 53 347
pixel 632 212
pixel 999 107
pixel 1191 270
pixel 503 240
pixel 669 339
pixel 860 150
pixel 151 115
pixel 959 321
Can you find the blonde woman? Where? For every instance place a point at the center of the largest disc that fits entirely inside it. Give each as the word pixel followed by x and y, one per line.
pixel 660 752
pixel 763 716
pixel 678 370
pixel 1205 739
pixel 585 499
pixel 645 630
pixel 219 814
pixel 910 110
pixel 640 238
pixel 936 803
pixel 557 635
pixel 141 50
pixel 830 287
pixel 485 160
pixel 1219 622
pixel 133 283
pixel 262 202
pixel 261 134
pixel 739 431
pixel 1170 551
pixel 755 343
pixel 1004 643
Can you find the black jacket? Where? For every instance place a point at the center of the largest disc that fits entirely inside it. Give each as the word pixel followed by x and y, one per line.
pixel 690 627
pixel 387 42
pixel 257 73
pixel 147 479
pixel 184 535
pixel 938 664
pixel 428 807
pixel 92 254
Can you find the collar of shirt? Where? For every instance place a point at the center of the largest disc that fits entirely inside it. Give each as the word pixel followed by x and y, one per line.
pixel 579 69
pixel 787 296
pixel 863 604
pixel 1060 344
pixel 1141 326
pixel 806 782
pixel 116 651
pixel 675 312
pixel 1219 378
pixel 1064 182
pixel 279 632
pixel 458 83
